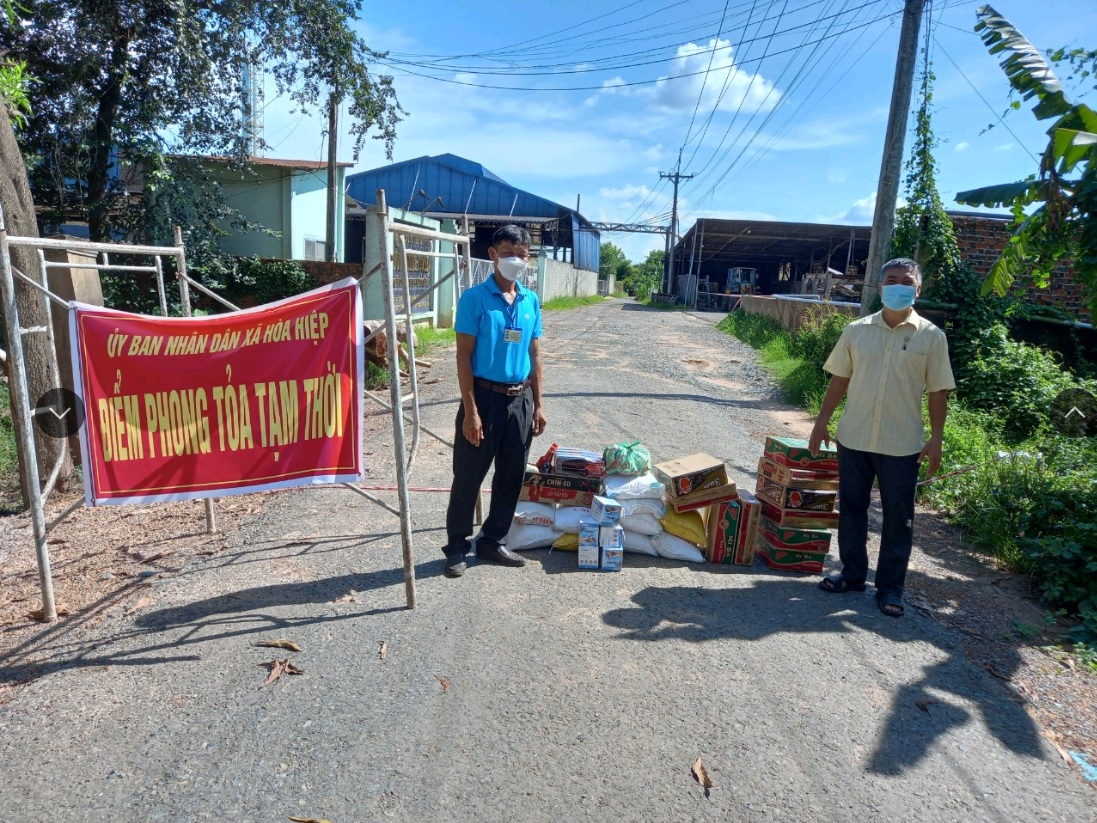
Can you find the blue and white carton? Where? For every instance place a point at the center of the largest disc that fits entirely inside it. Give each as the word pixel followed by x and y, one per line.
pixel 588 543
pixel 606 511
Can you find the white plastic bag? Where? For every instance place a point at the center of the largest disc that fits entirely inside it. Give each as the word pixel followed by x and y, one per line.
pixel 567 518
pixel 523 536
pixel 535 514
pixel 634 488
pixel 675 548
pixel 649 505
pixel 639 543
pixel 642 523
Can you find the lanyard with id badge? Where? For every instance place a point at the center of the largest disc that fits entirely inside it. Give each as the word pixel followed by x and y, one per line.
pixel 511 333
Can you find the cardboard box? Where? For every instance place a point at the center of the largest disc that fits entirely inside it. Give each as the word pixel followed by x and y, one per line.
pixel 732 530
pixel 605 510
pixel 797 478
pixel 611 537
pixel 786 561
pixel 688 475
pixel 783 497
pixel 798 518
pixel 611 559
pixel 794 540
pixel 704 498
pixel 788 451
pixel 570 490
pixel 589 552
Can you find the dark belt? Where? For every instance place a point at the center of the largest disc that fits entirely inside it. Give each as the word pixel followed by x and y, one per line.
pixel 509 389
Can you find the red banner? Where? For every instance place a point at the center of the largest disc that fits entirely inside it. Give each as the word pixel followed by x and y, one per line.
pixel 179 408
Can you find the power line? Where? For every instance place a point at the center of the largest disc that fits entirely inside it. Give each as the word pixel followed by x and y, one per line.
pixel 704 80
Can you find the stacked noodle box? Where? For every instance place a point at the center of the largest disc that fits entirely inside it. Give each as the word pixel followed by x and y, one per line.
pixel 797 494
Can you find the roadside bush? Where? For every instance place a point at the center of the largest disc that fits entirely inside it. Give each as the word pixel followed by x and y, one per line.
pixel 819 331
pixel 1014 381
pixel 266 280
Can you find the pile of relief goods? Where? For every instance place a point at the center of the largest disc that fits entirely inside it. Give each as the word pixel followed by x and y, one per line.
pixel 798 493
pixel 558 508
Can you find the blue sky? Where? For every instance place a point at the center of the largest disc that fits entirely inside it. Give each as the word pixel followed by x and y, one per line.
pixel 778 106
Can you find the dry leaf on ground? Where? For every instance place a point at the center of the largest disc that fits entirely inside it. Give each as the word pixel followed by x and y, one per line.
pixel 701 775
pixel 279 668
pixel 155 557
pixel 309 819
pixel 925 704
pixel 288 645
pixel 383 650
pixel 444 681
pixel 40 614
pixel 349 597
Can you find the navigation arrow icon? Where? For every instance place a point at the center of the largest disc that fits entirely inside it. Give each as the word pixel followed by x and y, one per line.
pixel 1075 410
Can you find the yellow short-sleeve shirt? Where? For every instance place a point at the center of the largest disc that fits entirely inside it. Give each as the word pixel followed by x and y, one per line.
pixel 888 370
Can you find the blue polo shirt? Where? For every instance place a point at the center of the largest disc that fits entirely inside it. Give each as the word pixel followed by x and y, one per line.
pixel 484 313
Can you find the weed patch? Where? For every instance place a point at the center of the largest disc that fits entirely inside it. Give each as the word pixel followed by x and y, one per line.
pixel 561 303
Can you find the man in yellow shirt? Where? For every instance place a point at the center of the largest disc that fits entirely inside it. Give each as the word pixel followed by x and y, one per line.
pixel 882 364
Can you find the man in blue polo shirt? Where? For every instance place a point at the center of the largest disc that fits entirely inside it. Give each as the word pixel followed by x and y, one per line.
pixel 499 371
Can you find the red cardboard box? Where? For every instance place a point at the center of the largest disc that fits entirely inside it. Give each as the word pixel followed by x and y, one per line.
pixel 703 499
pixel 797 478
pixel 798 518
pixel 568 489
pixel 732 530
pixel 783 497
pixel 688 475
pixel 794 540
pixel 786 561
pixel 794 453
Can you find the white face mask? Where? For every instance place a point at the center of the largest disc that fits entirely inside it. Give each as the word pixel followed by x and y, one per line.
pixel 510 267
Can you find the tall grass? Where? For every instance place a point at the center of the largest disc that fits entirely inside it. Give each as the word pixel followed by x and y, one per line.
pixel 562 303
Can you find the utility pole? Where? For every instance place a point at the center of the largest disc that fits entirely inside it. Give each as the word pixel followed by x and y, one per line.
pixel 672 236
pixel 333 192
pixel 891 165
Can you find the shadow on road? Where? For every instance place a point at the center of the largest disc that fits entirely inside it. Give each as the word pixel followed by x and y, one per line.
pixel 919 711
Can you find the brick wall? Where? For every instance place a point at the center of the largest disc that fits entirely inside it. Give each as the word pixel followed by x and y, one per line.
pixel 325 273
pixel 981 240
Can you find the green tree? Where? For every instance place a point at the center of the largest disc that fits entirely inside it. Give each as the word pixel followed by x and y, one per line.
pixel 124 83
pixel 1063 224
pixel 610 257
pixel 646 277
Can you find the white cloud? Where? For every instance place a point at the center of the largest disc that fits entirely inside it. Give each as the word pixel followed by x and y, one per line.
pixel 1004 147
pixel 627 192
pixel 837 176
pixel 963 145
pixel 727 88
pixel 858 214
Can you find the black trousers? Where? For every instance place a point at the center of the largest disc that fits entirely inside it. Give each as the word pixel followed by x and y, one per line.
pixel 898 478
pixel 508 431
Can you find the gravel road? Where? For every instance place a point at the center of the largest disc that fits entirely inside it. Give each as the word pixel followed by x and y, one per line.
pixel 541 693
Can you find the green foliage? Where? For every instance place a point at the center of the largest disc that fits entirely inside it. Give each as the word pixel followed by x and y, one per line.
pixel 820 328
pixel 430 339
pixel 122 87
pixel 613 263
pixel 14 81
pixel 1015 382
pixel 9 453
pixel 376 377
pixel 267 280
pixel 645 278
pixel 561 303
pixel 1061 227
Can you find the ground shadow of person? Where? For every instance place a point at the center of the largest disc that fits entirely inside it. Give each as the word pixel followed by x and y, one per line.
pixel 770 607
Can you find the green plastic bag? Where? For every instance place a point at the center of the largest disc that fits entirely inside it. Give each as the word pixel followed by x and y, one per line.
pixel 627 459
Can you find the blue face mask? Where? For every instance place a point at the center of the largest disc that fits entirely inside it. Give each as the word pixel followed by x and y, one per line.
pixel 898 297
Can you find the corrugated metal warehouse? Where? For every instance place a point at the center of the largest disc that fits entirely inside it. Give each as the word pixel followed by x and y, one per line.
pixel 448 186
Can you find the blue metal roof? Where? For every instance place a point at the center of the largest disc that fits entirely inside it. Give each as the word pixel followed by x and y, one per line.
pixel 448 184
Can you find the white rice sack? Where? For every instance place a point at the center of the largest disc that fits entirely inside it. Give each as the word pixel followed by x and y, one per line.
pixel 675 548
pixel 634 488
pixel 642 524
pixel 639 543
pixel 535 514
pixel 649 505
pixel 567 518
pixel 522 536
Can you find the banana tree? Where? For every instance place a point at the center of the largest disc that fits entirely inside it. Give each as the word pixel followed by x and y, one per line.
pixel 1063 224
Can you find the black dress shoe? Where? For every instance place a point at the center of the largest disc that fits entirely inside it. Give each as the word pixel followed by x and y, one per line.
pixel 501 555
pixel 455 565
